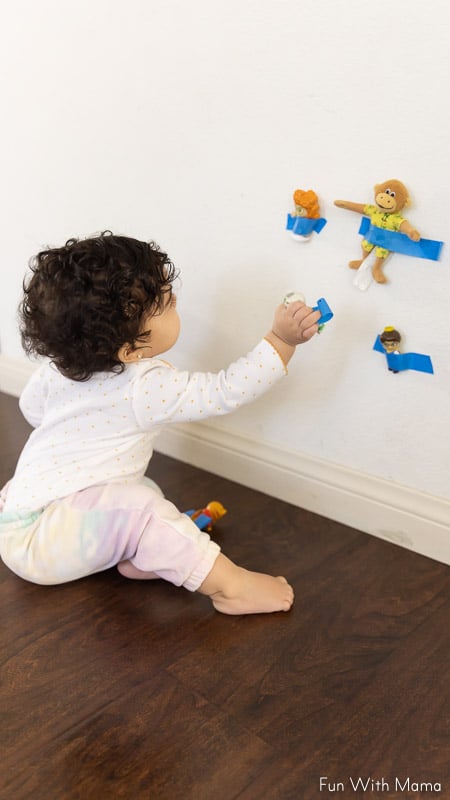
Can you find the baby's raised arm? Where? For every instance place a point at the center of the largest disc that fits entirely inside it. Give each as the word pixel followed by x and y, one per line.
pixel 164 394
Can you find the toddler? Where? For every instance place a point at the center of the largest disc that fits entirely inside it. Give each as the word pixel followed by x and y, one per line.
pixel 103 312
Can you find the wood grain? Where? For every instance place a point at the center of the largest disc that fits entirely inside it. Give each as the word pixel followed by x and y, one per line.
pixel 119 689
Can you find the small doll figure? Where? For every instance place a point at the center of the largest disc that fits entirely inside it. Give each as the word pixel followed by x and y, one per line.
pixel 205 517
pixel 390 199
pixel 388 343
pixel 390 340
pixel 306 217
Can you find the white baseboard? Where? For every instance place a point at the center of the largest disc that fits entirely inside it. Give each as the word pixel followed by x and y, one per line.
pixel 414 520
pixel 411 519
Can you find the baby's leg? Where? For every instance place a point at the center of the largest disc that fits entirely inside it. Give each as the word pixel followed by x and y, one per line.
pixel 128 570
pixel 107 525
pixel 173 548
pixel 147 537
pixel 234 590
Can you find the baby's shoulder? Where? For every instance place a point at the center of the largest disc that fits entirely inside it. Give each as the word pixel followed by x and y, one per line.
pixel 149 369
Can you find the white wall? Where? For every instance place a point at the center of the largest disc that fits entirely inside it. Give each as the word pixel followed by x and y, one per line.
pixel 192 123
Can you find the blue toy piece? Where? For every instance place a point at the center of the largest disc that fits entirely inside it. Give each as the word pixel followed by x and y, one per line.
pixel 205 517
pixel 325 311
pixel 202 520
pixel 399 242
pixel 304 226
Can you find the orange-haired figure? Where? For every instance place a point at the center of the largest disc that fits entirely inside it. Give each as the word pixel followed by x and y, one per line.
pixel 306 204
pixel 305 219
pixel 204 517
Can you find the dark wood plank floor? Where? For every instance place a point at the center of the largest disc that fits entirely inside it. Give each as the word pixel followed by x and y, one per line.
pixel 120 689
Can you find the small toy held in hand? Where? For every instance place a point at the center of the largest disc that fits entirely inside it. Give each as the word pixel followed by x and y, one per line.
pixel 305 219
pixel 386 230
pixel 325 311
pixel 388 342
pixel 205 517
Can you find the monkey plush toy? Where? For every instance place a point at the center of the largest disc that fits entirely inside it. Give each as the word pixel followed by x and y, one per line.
pixel 390 198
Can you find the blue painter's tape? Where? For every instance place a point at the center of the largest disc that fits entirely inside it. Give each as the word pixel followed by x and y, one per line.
pixel 325 311
pixel 415 361
pixel 378 346
pixel 398 362
pixel 202 520
pixel 399 242
pixel 303 226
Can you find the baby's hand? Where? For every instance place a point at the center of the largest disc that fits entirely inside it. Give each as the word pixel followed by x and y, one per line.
pixel 295 323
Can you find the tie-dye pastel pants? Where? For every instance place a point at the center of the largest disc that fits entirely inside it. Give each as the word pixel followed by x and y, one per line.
pixel 96 528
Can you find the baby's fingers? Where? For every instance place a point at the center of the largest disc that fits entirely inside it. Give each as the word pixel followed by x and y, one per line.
pixel 308 333
pixel 309 326
pixel 306 317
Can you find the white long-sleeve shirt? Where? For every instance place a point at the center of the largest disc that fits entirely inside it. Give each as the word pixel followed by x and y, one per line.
pixel 102 430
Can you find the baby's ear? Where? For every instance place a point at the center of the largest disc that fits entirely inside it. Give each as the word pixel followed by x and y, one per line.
pixel 126 354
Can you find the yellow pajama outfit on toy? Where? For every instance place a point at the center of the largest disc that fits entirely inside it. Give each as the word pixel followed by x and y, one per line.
pixel 381 219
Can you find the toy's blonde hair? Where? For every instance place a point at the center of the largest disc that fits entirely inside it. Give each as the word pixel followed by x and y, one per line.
pixel 308 200
pixel 390 334
pixel 216 510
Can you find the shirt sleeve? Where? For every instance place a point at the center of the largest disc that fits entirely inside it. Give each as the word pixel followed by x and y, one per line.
pixel 397 221
pixel 32 399
pixel 163 394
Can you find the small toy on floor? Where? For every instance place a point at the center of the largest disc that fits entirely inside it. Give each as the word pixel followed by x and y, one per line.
pixel 305 219
pixel 205 517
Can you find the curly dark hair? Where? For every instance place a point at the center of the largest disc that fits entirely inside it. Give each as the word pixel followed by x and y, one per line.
pixel 85 300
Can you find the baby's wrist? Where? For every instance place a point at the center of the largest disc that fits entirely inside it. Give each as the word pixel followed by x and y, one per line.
pixel 280 338
pixel 284 349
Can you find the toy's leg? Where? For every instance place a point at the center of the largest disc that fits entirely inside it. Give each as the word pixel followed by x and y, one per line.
pixel 365 253
pixel 377 270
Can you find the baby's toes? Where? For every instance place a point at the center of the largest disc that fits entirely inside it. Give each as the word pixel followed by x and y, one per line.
pixel 288 595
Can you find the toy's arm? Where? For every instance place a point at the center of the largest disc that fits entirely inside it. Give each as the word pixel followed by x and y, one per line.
pixel 407 228
pixel 358 207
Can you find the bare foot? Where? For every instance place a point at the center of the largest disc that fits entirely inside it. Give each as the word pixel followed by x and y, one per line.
pixel 257 594
pixel 355 264
pixel 128 570
pixel 234 590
